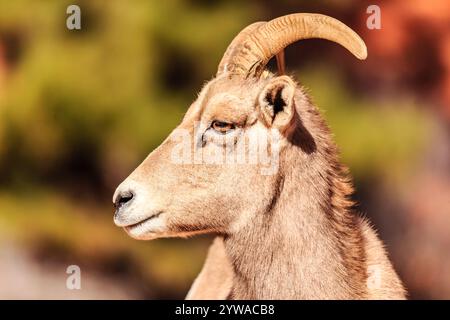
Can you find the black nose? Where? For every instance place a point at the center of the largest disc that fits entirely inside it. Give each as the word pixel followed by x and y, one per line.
pixel 123 198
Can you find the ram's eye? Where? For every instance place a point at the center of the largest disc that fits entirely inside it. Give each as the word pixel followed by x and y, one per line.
pixel 222 127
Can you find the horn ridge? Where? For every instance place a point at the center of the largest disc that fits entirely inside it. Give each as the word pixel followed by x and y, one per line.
pixel 269 39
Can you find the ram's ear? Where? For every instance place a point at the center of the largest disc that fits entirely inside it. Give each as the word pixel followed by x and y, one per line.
pixel 276 102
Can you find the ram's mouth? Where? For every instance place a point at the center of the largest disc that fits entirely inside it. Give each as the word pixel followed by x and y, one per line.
pixel 143 223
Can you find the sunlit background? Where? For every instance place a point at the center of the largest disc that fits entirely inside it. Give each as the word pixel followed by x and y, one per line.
pixel 80 109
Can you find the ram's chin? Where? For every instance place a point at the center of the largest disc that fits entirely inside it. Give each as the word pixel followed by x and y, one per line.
pixel 158 226
pixel 149 229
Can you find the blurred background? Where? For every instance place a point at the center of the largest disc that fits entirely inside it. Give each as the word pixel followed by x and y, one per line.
pixel 80 109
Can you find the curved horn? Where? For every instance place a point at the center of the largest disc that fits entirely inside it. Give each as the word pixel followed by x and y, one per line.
pixel 241 37
pixel 251 55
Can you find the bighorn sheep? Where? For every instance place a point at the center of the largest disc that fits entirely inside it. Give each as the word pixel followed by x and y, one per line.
pixel 288 235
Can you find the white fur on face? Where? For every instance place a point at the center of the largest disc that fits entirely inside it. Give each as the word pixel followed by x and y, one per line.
pixel 149 229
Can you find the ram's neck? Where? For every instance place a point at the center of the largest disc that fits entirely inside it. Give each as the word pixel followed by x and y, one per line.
pixel 308 245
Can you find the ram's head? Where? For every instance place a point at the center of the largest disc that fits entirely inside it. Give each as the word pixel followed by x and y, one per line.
pixel 181 189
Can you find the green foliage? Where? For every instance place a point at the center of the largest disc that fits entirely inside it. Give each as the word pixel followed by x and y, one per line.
pixel 382 137
pixel 108 88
